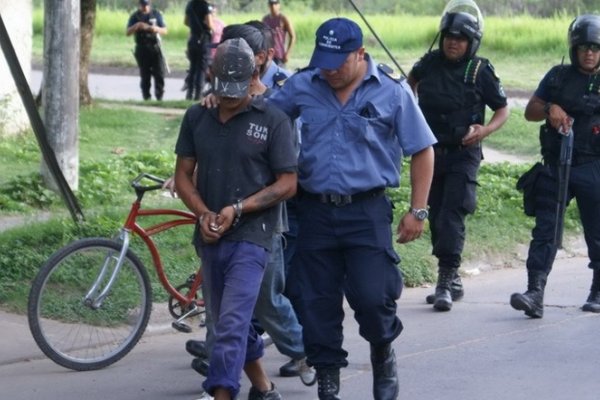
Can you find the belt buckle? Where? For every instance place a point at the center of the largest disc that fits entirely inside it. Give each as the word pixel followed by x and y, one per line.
pixel 339 200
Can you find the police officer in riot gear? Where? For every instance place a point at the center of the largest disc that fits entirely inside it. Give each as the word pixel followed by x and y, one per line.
pixel 567 97
pixel 198 17
pixel 147 24
pixel 454 86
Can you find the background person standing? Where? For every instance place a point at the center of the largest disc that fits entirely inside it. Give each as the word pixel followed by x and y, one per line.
pixel 218 25
pixel 147 24
pixel 453 87
pixel 283 32
pixel 199 19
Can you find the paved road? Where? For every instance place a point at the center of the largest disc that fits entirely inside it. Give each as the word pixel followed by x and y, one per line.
pixel 126 87
pixel 482 349
pixel 119 87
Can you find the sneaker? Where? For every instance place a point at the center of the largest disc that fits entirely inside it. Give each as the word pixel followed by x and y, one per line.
pixel 267 340
pixel 308 375
pixel 205 396
pixel 255 394
pixel 197 348
pixel 200 365
pixel 300 368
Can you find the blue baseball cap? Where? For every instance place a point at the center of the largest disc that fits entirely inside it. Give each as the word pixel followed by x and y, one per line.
pixel 335 39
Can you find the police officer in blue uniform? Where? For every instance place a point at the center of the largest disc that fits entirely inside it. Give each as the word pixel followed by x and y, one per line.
pixel 357 123
pixel 454 86
pixel 147 24
pixel 567 97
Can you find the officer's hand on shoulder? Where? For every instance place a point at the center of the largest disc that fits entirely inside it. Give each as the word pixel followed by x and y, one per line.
pixel 210 101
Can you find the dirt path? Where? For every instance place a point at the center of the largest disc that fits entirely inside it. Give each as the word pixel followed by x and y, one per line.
pixel 495 156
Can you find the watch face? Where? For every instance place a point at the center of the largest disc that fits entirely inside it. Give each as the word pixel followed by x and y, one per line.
pixel 420 214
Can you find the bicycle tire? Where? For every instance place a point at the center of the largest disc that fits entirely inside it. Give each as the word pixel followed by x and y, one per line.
pixel 73 334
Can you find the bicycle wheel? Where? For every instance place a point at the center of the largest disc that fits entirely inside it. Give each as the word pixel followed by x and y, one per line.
pixel 75 333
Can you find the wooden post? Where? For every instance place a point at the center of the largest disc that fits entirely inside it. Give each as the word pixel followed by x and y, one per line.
pixel 60 90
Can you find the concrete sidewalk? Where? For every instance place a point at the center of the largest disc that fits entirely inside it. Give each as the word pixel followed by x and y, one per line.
pixel 482 349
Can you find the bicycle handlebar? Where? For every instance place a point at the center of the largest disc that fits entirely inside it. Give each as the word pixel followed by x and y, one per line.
pixel 136 183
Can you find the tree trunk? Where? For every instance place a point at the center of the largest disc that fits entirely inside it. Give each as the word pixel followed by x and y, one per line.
pixel 88 21
pixel 60 89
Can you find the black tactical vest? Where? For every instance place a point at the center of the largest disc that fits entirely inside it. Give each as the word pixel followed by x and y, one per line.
pixel 147 39
pixel 449 98
pixel 579 95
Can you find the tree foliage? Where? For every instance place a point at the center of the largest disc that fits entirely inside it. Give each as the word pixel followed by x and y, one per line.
pixel 541 8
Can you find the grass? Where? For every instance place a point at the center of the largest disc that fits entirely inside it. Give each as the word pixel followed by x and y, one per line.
pixel 517 136
pixel 522 48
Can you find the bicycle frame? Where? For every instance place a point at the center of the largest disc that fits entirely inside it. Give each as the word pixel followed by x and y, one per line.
pixel 131 225
pixel 183 218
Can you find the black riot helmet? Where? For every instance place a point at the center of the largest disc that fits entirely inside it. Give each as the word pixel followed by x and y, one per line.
pixel 462 23
pixel 584 29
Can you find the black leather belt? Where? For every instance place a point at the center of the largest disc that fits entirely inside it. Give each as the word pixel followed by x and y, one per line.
pixel 452 148
pixel 583 159
pixel 340 200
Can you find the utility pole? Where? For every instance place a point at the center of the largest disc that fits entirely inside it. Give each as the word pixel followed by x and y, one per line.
pixel 60 90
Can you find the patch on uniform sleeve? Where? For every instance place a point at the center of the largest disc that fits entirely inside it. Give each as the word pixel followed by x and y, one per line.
pixel 279 79
pixel 387 70
pixel 491 68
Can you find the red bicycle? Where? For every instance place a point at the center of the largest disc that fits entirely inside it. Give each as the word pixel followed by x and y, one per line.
pixel 91 301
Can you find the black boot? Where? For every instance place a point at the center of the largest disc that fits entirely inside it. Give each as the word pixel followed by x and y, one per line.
pixel 443 299
pixel 456 290
pixel 385 375
pixel 328 381
pixel 593 301
pixel 532 301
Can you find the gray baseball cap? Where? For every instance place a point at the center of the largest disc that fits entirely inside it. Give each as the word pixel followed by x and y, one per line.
pixel 232 68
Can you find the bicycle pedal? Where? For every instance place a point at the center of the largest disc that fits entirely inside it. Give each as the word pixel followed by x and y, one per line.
pixel 181 327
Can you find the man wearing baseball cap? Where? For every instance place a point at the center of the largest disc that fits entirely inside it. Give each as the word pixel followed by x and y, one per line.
pixel 246 164
pixel 273 313
pixel 358 122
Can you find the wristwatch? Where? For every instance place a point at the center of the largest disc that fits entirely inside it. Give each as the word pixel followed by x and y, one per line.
pixel 420 213
pixel 547 108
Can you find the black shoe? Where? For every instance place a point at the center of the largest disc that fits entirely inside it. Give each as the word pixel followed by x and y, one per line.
pixel 385 374
pixel 443 298
pixel 456 290
pixel 255 394
pixel 593 302
pixel 328 381
pixel 200 365
pixel 532 301
pixel 197 348
pixel 289 369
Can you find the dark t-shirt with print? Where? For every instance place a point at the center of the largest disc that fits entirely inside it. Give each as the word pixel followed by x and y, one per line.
pixel 238 159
